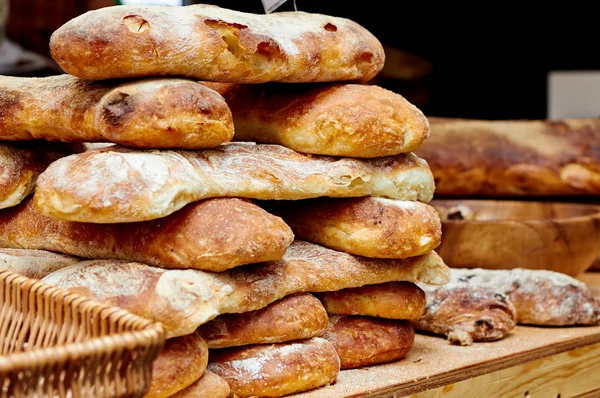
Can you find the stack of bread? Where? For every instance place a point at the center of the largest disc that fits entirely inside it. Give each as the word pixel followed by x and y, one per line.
pixel 219 205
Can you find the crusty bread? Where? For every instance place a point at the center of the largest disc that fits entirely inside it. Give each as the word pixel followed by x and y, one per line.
pixel 368 226
pixel 353 120
pixel 514 158
pixel 114 184
pixel 467 314
pixel 215 44
pixel 22 163
pixel 363 341
pixel 35 264
pixel 160 113
pixel 296 317
pixel 182 300
pixel 277 369
pixel 212 235
pixel 209 385
pixel 182 361
pixel 392 300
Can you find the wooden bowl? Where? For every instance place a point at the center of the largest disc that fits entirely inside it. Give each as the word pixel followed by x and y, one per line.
pixel 496 234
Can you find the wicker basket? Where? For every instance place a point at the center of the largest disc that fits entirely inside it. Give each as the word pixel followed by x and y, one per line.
pixel 59 344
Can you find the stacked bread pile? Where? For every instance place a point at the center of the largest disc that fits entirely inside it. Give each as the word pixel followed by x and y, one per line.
pixel 165 215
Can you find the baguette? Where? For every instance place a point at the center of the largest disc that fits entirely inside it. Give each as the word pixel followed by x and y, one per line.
pixel 368 226
pixel 113 184
pixel 514 158
pixel 215 44
pixel 184 300
pixel 166 113
pixel 212 235
pixel 352 120
pixel 277 369
pixel 34 264
pixel 208 386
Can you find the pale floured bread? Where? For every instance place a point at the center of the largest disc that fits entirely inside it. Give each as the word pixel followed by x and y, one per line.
pixel 277 369
pixel 467 314
pixel 209 385
pixel 354 120
pixel 363 341
pixel 182 300
pixel 212 235
pixel 165 113
pixel 182 361
pixel 215 44
pixel 35 264
pixel 296 317
pixel 115 184
pixel 368 226
pixel 392 300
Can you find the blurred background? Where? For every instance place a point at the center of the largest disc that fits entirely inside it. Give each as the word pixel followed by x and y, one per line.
pixel 501 61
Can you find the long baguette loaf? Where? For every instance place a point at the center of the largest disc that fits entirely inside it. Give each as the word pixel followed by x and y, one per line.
pixel 115 184
pixel 184 300
pixel 514 158
pixel 215 44
pixel 160 113
pixel 211 235
pixel 368 226
pixel 35 264
pixel 353 120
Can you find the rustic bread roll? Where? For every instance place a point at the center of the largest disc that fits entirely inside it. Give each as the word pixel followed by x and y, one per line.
pixel 296 317
pixel 369 226
pixel 35 264
pixel 181 362
pixel 208 386
pixel 353 120
pixel 215 44
pixel 212 235
pixel 115 184
pixel 363 341
pixel 277 369
pixel 514 158
pixel 392 300
pixel 184 300
pixel 165 113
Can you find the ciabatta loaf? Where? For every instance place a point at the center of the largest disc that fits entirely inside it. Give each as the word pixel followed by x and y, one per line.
pixel 208 386
pixel 215 44
pixel 354 120
pixel 115 184
pixel 35 264
pixel 159 113
pixel 182 300
pixel 211 235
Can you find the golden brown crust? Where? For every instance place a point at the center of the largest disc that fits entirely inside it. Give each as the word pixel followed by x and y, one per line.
pixel 212 235
pixel 392 300
pixel 209 385
pixel 277 369
pixel 296 317
pixel 35 264
pixel 353 120
pixel 363 341
pixel 165 113
pixel 182 300
pixel 181 362
pixel 215 44
pixel 116 184
pixel 368 226
pixel 506 158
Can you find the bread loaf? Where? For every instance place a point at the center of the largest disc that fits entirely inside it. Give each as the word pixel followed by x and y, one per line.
pixel 353 120
pixel 208 386
pixel 215 44
pixel 514 158
pixel 392 300
pixel 35 264
pixel 363 341
pixel 277 369
pixel 181 362
pixel 113 184
pixel 182 300
pixel 212 235
pixel 165 113
pixel 295 317
pixel 368 226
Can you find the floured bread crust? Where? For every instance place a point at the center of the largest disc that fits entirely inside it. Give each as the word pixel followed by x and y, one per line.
pixel 35 264
pixel 208 386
